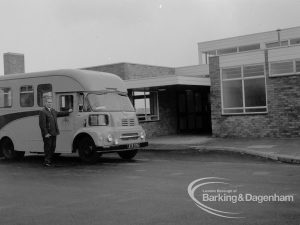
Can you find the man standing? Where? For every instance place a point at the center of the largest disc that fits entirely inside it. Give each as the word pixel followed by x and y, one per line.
pixel 49 129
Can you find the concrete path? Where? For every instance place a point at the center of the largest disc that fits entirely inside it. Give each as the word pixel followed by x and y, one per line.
pixel 285 150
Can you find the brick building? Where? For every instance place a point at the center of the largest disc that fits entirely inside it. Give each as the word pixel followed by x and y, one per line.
pixel 253 90
pixel 167 100
pixel 255 84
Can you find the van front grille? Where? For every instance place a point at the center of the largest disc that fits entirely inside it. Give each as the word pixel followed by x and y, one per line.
pixel 130 136
pixel 128 122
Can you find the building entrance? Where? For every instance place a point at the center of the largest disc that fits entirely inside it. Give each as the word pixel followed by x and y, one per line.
pixel 194 111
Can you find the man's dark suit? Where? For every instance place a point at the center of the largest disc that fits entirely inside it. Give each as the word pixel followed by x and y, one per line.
pixel 48 125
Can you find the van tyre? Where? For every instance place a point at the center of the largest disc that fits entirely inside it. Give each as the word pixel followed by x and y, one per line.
pixel 129 154
pixel 87 150
pixel 8 150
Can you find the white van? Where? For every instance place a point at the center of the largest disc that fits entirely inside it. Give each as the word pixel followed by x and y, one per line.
pixel 103 119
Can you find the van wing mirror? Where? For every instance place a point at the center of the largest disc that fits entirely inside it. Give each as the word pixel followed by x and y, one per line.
pixel 80 107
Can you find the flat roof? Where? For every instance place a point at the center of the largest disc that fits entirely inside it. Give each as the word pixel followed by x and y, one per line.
pixel 166 81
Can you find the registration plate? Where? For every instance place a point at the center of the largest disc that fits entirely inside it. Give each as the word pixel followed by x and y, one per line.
pixel 133 146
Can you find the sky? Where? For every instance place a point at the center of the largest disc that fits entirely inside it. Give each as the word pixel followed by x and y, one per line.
pixel 57 34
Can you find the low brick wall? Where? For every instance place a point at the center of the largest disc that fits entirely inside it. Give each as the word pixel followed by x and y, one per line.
pixel 282 119
pixel 167 113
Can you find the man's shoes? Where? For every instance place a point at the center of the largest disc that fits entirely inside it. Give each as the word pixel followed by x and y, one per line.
pixel 48 164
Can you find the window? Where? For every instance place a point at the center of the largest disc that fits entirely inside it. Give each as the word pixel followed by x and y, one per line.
pixel 42 91
pixel 65 102
pixel 146 105
pixel 206 55
pixel 298 66
pixel 26 96
pixel 226 51
pixel 277 44
pixel 245 48
pixel 5 97
pixel 277 68
pixel 295 41
pixel 244 89
pixel 281 68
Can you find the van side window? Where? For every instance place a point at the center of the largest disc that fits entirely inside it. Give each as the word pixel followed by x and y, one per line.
pixel 65 102
pixel 43 90
pixel 26 96
pixel 5 97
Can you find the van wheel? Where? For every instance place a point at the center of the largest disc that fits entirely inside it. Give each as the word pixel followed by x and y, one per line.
pixel 129 154
pixel 8 150
pixel 87 150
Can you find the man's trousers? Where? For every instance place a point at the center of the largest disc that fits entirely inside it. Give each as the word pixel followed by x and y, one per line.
pixel 49 148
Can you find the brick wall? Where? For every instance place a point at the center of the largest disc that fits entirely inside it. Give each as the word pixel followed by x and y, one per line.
pixel 117 69
pixel 167 113
pixel 282 119
pixel 13 63
pixel 133 71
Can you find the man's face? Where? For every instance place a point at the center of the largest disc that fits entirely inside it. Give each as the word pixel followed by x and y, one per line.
pixel 48 103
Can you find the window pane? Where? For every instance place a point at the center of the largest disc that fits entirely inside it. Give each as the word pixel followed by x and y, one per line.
pixel 146 106
pixel 232 94
pixel 255 92
pixel 198 102
pixel 251 71
pixel 276 44
pixel 231 73
pixel 256 110
pixel 139 105
pixel 295 41
pixel 147 103
pixel 5 98
pixel 249 47
pixel 298 66
pixel 281 67
pixel 66 102
pixel 226 51
pixel 233 111
pixel 26 96
pixel 42 91
pixel 26 88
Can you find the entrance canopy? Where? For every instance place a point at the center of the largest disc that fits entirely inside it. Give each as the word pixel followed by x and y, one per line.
pixel 166 81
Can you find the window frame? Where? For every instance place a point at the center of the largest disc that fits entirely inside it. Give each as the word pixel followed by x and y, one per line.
pixel 294 72
pixel 11 99
pixel 280 44
pixel 147 117
pixel 249 50
pixel 38 97
pixel 244 108
pixel 293 39
pixel 216 52
pixel 26 92
pixel 60 102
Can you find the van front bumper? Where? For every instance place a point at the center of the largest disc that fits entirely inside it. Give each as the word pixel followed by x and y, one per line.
pixel 117 148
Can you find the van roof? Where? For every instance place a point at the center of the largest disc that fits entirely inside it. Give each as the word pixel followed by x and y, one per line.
pixel 89 80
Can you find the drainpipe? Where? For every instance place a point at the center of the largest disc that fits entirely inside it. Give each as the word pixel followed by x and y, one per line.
pixel 278 34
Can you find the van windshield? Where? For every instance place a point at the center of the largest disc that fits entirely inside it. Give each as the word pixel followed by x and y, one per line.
pixel 110 102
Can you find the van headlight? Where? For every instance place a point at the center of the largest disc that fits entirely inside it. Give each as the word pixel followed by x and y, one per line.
pixel 109 138
pixel 143 135
pixel 98 120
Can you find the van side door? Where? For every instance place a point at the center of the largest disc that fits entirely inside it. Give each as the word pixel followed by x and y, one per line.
pixel 66 124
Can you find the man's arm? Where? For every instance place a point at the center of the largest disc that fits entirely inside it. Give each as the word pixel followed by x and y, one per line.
pixel 42 123
pixel 63 114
